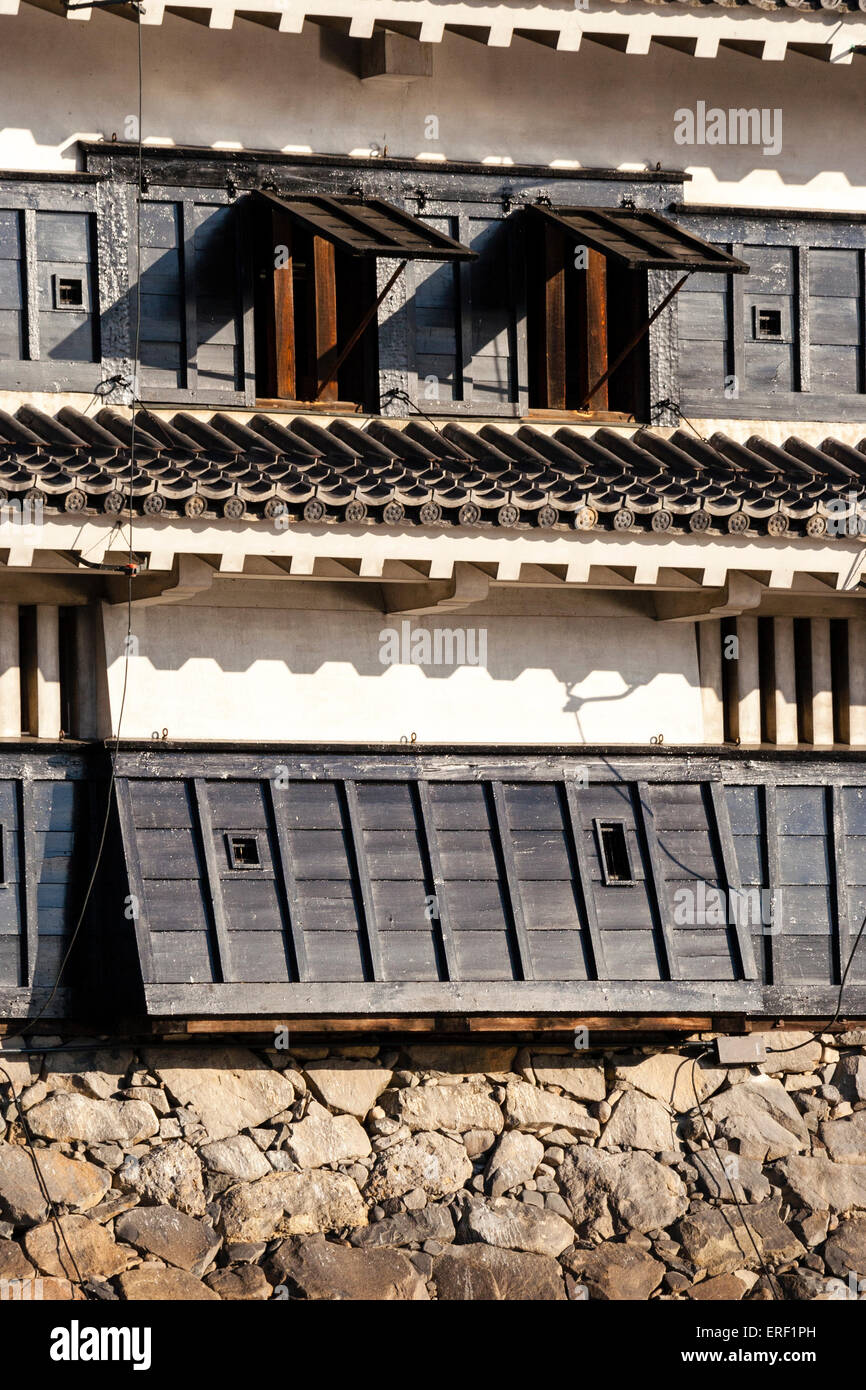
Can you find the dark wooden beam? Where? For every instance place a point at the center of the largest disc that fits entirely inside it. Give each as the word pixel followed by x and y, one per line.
pixel 212 881
pixel 135 878
pixel 28 865
pixel 356 834
pixel 512 882
pixel 594 328
pixel 581 859
pixel 431 841
pixel 285 875
pixel 282 324
pixel 731 870
pixel 322 318
pixel 655 875
pixel 552 374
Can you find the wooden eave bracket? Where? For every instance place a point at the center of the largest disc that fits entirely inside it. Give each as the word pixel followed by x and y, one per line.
pixel 740 595
pixel 468 585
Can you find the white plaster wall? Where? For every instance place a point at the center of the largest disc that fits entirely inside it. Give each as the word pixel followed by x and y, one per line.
pixel 268 674
pixel 252 87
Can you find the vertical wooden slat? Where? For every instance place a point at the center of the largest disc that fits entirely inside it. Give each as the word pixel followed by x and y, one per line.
pixel 284 362
pixel 738 303
pixel 245 272
pixel 29 877
pixel 512 882
pixel 135 878
pixel 578 847
pixel 645 817
pixel 552 338
pixel 839 877
pixel 771 845
pixel 803 365
pixel 213 881
pixel 322 309
pixel 594 303
pixel 374 944
pixel 30 274
pixel 276 805
pixel 190 295
pixel 463 273
pixel 733 884
pixel 431 841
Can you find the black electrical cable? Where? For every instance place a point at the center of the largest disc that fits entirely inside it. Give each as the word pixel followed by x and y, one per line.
pixel 739 1206
pixel 130 568
pixel 43 1186
pixel 815 1034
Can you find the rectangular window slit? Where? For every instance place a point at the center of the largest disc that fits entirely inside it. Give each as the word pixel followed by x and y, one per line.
pixel 68 292
pixel 244 851
pixel 613 851
pixel 768 322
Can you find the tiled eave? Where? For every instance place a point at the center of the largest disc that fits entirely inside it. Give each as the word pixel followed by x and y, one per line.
pixel 830 29
pixel 275 473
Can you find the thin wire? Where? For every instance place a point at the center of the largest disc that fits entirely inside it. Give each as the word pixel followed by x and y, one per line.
pixel 777 1051
pixel 737 1201
pixel 40 1177
pixel 129 569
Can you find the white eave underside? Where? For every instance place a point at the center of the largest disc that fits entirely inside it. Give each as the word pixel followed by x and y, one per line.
pixel 832 35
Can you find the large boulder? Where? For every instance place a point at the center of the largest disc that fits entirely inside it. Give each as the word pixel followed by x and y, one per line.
pixel 845 1251
pixel 408 1227
pixel 169 1174
pixel 615 1192
pixel 14 1264
pixel 81 1247
pixel 171 1236
pixel 513 1161
pixel 515 1226
pixel 640 1122
pixel 823 1185
pixel 151 1284
pixel 314 1268
pixel 69 1115
pixel 671 1077
pixel 846 1138
pixel 352 1086
pixel 759 1117
pixel 70 1183
pixel 850 1077
pixel 453 1108
pixel 790 1052
pixel 580 1077
pixel 238 1157
pixel 717 1238
pixel 235 1091
pixel 292 1204
pixel 97 1073
pixel 718 1173
pixel 532 1107
pixel 322 1138
pixel 433 1162
pixel 616 1272
pixel 486 1272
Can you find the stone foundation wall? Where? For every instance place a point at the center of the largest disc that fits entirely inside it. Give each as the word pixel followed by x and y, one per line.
pixel 450 1172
